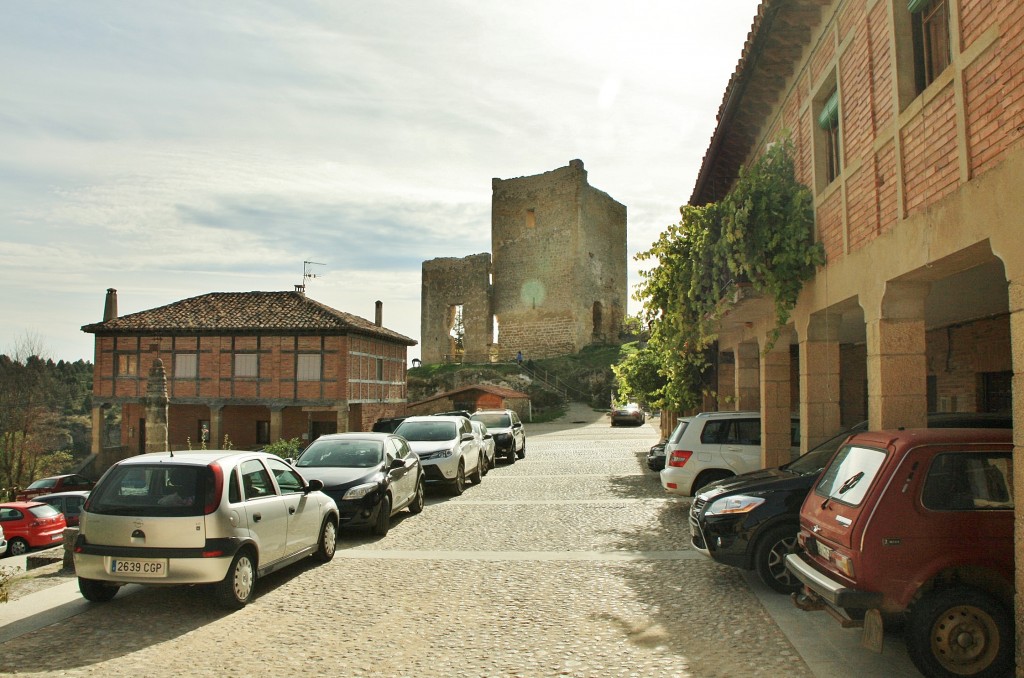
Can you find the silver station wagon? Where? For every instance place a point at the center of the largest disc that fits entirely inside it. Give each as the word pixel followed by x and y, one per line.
pixel 212 517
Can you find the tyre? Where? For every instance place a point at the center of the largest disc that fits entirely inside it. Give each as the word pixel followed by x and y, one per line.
pixel 510 457
pixel 770 558
pixel 328 542
pixel 478 474
pixel 708 477
pixel 96 591
pixel 17 547
pixel 458 485
pixel 383 522
pixel 235 590
pixel 522 453
pixel 961 632
pixel 418 499
pixel 487 464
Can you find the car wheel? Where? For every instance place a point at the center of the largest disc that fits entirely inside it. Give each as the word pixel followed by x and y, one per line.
pixel 458 485
pixel 383 522
pixel 522 453
pixel 487 465
pixel 511 456
pixel 416 506
pixel 477 475
pixel 770 558
pixel 96 591
pixel 328 543
pixel 960 632
pixel 237 586
pixel 17 547
pixel 706 478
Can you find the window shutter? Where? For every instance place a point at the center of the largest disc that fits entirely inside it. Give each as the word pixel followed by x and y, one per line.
pixel 829 116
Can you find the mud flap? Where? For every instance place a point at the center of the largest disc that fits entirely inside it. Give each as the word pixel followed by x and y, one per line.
pixel 873 632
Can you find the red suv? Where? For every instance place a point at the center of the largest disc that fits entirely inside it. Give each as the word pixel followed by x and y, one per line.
pixel 917 523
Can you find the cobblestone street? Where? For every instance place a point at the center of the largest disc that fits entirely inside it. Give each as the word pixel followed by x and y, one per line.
pixel 570 562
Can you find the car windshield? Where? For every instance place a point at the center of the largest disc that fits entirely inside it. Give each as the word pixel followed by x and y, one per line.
pixel 494 420
pixel 42 484
pixel 342 454
pixel 43 511
pixel 158 489
pixel 813 462
pixel 849 476
pixel 427 430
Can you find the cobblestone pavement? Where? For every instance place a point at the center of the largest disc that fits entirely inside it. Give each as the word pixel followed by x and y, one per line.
pixel 571 562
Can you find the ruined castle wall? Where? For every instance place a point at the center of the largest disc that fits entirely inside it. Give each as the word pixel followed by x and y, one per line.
pixel 449 282
pixel 558 247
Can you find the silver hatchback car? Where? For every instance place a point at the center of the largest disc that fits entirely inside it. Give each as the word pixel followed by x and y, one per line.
pixel 211 517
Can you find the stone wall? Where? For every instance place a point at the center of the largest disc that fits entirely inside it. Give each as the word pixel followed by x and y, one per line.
pixel 449 282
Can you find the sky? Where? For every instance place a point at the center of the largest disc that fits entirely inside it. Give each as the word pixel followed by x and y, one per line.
pixel 172 148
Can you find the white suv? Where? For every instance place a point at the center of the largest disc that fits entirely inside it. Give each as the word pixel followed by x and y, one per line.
pixel 447 448
pixel 214 517
pixel 711 446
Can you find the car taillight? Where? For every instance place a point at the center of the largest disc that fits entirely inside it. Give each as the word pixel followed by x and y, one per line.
pixel 844 563
pixel 213 493
pixel 680 457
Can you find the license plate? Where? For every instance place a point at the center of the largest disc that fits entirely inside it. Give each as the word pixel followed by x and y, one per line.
pixel 138 567
pixel 824 551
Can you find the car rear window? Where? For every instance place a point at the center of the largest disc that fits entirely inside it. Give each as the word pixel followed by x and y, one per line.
pixel 43 511
pixel 677 433
pixel 969 481
pixel 427 430
pixel 850 474
pixel 496 420
pixel 153 490
pixel 44 483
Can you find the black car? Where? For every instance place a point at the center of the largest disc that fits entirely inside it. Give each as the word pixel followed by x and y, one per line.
pixel 370 476
pixel 507 431
pixel 751 520
pixel 656 456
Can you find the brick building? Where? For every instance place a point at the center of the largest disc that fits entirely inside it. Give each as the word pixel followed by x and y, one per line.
pixel 249 367
pixel 908 125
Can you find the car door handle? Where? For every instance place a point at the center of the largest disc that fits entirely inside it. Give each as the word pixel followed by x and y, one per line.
pixel 257 517
pixel 291 510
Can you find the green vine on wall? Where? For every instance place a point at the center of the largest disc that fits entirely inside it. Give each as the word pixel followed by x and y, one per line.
pixel 761 232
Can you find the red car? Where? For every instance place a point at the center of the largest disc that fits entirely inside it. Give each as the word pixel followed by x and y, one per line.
pixel 30 524
pixel 64 483
pixel 917 524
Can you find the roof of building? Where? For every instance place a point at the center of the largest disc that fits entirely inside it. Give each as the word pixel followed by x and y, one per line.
pixel 500 391
pixel 233 312
pixel 774 47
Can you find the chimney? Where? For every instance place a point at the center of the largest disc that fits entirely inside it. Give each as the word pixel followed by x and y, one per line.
pixel 110 305
pixel 378 317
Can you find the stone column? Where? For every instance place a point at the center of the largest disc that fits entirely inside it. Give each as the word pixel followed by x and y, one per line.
pixel 819 383
pixel 775 403
pixel 216 441
pixel 1016 298
pixel 896 360
pixel 96 446
pixel 342 409
pixel 726 378
pixel 156 404
pixel 748 377
pixel 276 423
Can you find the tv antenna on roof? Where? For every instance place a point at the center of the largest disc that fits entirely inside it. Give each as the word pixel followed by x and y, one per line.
pixel 307 273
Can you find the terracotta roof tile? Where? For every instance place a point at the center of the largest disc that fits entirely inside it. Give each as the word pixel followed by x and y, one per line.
pixel 245 312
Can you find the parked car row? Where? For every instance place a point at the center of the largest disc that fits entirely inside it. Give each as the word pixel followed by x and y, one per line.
pixel 227 518
pixel 876 526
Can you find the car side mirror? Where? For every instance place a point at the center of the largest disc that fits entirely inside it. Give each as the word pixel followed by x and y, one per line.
pixel 467 436
pixel 396 464
pixel 488 436
pixel 517 425
pixel 314 485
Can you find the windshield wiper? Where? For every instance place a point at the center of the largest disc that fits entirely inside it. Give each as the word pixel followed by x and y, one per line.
pixel 844 488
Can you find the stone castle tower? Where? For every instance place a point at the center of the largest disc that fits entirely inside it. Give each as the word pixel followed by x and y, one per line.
pixel 554 283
